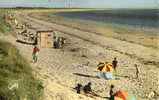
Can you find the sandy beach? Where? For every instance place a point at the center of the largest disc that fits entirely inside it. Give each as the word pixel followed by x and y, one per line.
pixel 87 44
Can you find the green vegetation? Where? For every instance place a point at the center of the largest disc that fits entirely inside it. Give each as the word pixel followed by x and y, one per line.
pixel 16 79
pixel 14 69
pixel 4 27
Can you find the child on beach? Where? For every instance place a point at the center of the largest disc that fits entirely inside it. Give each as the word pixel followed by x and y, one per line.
pixel 137 71
pixel 35 53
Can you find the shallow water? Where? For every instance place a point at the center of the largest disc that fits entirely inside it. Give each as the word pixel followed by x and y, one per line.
pixel 132 18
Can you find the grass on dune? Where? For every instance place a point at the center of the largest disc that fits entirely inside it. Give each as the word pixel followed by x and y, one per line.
pixel 4 26
pixel 14 69
pixel 16 79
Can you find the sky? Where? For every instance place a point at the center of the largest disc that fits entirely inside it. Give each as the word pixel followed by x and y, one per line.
pixel 82 3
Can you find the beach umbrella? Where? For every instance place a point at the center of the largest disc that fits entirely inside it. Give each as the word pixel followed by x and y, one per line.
pixel 105 67
pixel 16 21
pixel 124 95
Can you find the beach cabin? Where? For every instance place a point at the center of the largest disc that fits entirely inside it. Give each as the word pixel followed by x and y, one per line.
pixel 45 38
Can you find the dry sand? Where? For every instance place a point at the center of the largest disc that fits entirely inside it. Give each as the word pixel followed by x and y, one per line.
pixel 62 69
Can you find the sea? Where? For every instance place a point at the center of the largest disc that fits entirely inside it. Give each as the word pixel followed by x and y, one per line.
pixel 135 18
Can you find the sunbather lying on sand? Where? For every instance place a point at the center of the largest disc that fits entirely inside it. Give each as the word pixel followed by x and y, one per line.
pixel 86 90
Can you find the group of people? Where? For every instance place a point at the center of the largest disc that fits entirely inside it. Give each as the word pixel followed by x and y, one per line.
pixel 11 19
pixel 58 42
pixel 87 89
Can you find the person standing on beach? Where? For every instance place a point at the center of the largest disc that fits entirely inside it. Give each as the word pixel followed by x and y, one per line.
pixel 114 63
pixel 60 42
pixel 54 41
pixel 137 71
pixel 35 53
pixel 112 92
pixel 63 41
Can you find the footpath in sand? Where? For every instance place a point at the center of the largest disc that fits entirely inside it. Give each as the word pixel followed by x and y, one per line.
pixel 62 69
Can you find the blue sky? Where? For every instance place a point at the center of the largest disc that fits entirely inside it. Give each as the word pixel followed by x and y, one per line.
pixel 82 3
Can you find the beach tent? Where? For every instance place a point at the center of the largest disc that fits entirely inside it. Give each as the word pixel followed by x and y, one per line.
pixel 124 95
pixel 106 70
pixel 45 38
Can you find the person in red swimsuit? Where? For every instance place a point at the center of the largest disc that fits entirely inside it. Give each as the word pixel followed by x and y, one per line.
pixel 35 53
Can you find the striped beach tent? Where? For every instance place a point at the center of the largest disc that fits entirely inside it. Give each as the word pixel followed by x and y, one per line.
pixel 106 70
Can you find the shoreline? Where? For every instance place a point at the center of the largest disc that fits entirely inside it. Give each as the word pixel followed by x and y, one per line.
pixel 82 16
pixel 140 37
pixel 147 31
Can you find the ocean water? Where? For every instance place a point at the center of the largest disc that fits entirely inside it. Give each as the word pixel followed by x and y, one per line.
pixel 142 19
